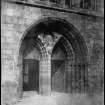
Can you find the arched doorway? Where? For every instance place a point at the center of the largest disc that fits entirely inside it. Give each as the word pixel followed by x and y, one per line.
pixel 32 53
pixel 31 70
pixel 72 60
pixel 58 70
pixel 62 58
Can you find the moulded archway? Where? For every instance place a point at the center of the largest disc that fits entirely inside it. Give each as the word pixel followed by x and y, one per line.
pixel 63 27
pixel 32 52
pixel 61 59
pixel 50 26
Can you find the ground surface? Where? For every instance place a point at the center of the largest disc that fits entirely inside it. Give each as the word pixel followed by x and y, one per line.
pixel 60 99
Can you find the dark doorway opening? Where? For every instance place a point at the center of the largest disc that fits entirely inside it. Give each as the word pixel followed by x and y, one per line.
pixel 30 75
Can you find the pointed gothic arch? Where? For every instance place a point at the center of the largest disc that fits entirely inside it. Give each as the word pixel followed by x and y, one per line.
pixel 73 38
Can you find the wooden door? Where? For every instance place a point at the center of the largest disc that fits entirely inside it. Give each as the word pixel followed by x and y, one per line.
pixel 30 75
pixel 58 75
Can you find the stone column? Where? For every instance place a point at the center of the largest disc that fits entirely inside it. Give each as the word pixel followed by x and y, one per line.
pixel 45 76
pixel 48 74
pixel 45 70
pixel 45 66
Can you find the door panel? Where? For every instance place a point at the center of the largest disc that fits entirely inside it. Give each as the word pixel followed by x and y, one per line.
pixel 30 75
pixel 58 75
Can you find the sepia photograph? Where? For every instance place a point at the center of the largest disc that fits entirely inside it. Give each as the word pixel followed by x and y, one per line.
pixel 52 52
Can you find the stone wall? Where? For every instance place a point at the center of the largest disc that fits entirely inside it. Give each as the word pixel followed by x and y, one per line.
pixel 15 19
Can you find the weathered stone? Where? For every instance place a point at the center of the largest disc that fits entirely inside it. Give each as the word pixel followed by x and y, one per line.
pixel 9 95
pixel 16 19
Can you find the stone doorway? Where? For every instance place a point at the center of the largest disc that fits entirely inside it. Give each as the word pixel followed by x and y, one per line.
pixel 40 43
pixel 30 69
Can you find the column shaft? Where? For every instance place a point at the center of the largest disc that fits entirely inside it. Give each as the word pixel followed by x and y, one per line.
pixel 45 76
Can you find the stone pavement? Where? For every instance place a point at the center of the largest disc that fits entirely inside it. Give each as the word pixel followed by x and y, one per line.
pixel 60 99
pixel 54 99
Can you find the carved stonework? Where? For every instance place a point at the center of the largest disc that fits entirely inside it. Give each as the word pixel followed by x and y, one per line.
pixel 49 41
pixel 56 37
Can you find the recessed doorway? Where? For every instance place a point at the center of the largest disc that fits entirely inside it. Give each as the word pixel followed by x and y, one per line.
pixel 58 70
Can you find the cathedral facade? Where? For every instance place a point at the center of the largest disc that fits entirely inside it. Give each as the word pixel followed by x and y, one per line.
pixel 51 45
